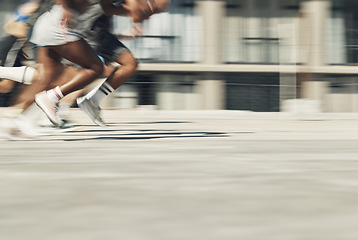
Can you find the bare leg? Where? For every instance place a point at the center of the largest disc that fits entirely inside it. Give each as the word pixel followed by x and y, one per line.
pixel 78 52
pixel 117 78
pixel 6 86
pixel 90 103
pixel 50 67
pixel 128 67
pixel 69 73
pixel 27 96
pixel 82 54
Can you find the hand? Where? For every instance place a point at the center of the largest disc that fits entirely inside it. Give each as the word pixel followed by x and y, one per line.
pixel 136 30
pixel 137 10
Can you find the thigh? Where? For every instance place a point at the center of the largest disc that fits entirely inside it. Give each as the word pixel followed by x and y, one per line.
pixel 126 58
pixel 80 53
pixel 49 65
pixel 48 59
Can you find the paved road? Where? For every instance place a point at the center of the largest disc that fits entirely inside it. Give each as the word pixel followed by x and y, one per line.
pixel 183 176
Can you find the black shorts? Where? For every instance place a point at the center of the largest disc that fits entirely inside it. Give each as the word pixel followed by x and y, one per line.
pixel 9 48
pixel 108 47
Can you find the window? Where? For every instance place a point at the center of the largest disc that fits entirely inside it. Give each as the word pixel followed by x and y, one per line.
pixel 342 33
pixel 256 29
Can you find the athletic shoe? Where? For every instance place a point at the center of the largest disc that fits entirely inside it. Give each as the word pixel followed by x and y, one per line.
pixel 18 128
pixel 49 107
pixel 91 109
pixel 64 114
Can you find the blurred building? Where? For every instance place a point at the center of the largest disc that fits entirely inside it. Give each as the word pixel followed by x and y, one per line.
pixel 244 55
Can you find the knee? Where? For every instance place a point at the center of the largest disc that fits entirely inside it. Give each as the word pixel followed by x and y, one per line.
pixel 6 86
pixel 5 89
pixel 135 64
pixel 130 63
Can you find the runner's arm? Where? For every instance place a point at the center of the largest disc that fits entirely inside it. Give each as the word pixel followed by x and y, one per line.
pixel 110 9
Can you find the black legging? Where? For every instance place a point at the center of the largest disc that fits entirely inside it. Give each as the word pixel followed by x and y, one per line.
pixel 7 41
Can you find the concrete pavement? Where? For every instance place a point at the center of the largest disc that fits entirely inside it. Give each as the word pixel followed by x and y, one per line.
pixel 161 175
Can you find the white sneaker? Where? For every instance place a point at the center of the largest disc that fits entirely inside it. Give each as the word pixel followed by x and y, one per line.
pixel 49 107
pixel 91 109
pixel 18 128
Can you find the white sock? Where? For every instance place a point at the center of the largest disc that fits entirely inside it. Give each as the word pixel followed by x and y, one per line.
pixel 55 94
pixel 98 94
pixel 22 74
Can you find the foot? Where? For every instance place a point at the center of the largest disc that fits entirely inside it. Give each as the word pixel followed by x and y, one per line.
pixel 19 128
pixel 49 107
pixel 91 109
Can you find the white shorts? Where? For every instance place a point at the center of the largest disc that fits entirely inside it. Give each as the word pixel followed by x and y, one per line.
pixel 50 30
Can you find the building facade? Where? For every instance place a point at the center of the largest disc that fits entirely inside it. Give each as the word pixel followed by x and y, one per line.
pixel 247 55
pixel 244 55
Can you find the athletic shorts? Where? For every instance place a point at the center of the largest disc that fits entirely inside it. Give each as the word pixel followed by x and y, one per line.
pixel 108 47
pixel 9 49
pixel 50 30
pixel 95 30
